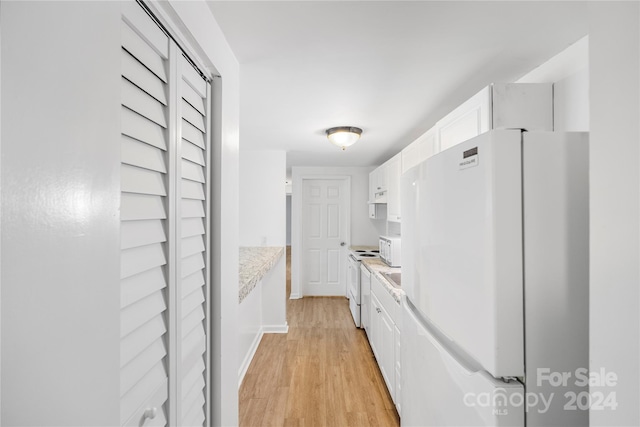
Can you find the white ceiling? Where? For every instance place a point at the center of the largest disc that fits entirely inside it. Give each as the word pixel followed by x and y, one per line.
pixel 391 68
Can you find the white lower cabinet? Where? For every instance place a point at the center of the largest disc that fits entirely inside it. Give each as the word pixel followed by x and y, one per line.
pixel 384 336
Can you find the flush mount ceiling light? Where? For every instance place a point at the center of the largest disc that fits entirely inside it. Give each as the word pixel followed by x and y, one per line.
pixel 343 136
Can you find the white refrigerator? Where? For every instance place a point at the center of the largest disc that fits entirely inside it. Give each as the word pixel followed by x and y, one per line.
pixel 495 270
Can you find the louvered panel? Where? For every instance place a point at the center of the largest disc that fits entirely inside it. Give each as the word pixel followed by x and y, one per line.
pixel 138 180
pixel 136 287
pixel 137 260
pixel 192 209
pixel 192 264
pixel 138 127
pixel 192 190
pixel 142 103
pixel 192 171
pixel 192 301
pixel 191 76
pixel 193 153
pixel 136 153
pixel 192 116
pixel 139 313
pixel 156 377
pixel 192 282
pixel 140 233
pixel 141 206
pixel 141 338
pixel 135 370
pixel 139 21
pixel 192 134
pixel 193 377
pixel 192 97
pixel 196 348
pixel 194 415
pixel 144 53
pixel 143 78
pixel 192 227
pixel 155 401
pixel 192 320
pixel 192 245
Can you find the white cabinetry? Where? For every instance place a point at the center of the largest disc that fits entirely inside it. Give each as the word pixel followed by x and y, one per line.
pixel 420 149
pixel 378 185
pixel 394 171
pixel 384 335
pixel 365 298
pixel 499 106
pixel 377 210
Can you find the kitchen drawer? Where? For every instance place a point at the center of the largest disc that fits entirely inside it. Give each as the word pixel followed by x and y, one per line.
pixel 385 298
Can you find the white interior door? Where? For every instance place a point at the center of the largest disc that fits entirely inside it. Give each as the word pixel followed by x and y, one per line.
pixel 325 207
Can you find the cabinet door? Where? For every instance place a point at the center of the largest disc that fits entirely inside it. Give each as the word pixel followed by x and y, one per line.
pixel 420 150
pixel 375 327
pixel 394 170
pixel 378 185
pixel 365 295
pixel 398 370
pixel 387 349
pixel 470 119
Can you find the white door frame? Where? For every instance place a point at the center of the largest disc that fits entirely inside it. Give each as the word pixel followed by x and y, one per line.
pixel 296 227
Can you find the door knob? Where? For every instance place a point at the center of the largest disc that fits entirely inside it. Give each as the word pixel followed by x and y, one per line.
pixel 342 243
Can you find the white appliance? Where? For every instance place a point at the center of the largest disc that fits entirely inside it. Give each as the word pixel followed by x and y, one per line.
pixel 495 270
pixel 354 293
pixel 390 250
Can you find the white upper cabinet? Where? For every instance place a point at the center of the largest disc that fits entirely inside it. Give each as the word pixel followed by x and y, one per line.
pixel 378 185
pixel 394 171
pixel 499 106
pixel 420 149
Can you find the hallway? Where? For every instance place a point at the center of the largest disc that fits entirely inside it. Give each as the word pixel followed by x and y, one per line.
pixel 322 373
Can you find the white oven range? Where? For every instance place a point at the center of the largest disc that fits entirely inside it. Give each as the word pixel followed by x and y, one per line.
pixel 354 293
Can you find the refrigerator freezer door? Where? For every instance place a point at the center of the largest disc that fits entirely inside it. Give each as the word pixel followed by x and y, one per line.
pixel 441 391
pixel 466 272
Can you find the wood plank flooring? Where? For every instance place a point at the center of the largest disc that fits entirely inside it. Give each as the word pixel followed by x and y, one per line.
pixel 322 373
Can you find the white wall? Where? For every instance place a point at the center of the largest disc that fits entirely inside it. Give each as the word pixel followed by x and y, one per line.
pixel 288 241
pixel 60 213
pixel 614 49
pixel 262 198
pixel 364 231
pixel 569 73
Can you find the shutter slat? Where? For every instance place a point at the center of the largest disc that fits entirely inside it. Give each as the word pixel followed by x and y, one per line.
pixel 191 301
pixel 141 206
pixel 192 190
pixel 192 209
pixel 193 377
pixel 193 98
pixel 137 260
pixel 135 370
pixel 193 153
pixel 136 153
pixel 136 287
pixel 194 414
pixel 156 377
pixel 192 171
pixel 142 103
pixel 143 181
pixel 192 320
pixel 139 313
pixel 192 264
pixel 191 76
pixel 192 282
pixel 192 116
pixel 192 245
pixel 141 233
pixel 143 129
pixel 142 77
pixel 148 30
pixel 192 227
pixel 144 53
pixel 156 400
pixel 192 134
pixel 141 338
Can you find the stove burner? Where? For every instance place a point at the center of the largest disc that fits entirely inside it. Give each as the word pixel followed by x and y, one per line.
pixel 375 251
pixel 360 251
pixel 367 255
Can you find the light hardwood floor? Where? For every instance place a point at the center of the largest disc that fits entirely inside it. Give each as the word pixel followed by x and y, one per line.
pixel 322 373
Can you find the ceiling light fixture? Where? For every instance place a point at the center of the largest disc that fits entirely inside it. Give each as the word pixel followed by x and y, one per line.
pixel 343 136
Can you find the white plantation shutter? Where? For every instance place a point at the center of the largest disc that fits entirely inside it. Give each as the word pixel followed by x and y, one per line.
pixel 164 233
pixel 191 228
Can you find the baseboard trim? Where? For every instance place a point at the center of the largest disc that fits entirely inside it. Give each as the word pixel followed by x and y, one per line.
pixel 275 329
pixel 295 296
pixel 249 357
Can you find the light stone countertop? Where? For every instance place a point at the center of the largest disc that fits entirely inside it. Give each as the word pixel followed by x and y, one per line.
pixel 255 263
pixel 376 266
